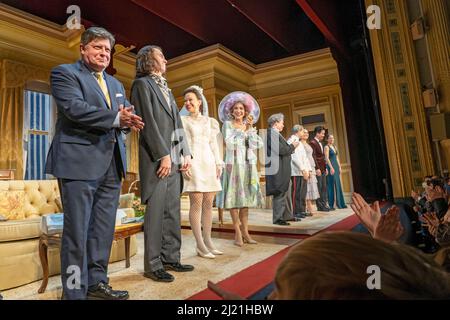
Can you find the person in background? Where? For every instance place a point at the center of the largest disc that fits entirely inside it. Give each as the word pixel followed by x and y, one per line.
pixel 334 185
pixel 300 173
pixel 312 192
pixel 321 168
pixel 278 168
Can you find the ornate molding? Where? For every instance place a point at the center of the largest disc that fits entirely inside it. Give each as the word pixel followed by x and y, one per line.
pixel 16 74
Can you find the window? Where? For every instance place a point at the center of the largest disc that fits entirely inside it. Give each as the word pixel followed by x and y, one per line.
pixel 39 120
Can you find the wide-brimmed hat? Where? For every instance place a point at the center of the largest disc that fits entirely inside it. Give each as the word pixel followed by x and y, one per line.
pixel 251 106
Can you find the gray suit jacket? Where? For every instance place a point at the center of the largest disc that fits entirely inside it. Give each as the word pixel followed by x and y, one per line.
pixel 162 135
pixel 84 140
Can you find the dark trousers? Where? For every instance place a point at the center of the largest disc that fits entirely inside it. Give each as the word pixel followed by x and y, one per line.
pixel 298 191
pixel 322 202
pixel 280 210
pixel 162 225
pixel 89 220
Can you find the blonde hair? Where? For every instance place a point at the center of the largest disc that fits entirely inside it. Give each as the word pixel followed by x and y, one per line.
pixel 333 265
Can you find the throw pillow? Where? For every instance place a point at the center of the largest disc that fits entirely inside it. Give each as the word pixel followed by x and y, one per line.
pixel 12 204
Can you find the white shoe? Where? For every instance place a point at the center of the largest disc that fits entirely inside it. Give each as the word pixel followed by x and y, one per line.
pixel 208 255
pixel 215 251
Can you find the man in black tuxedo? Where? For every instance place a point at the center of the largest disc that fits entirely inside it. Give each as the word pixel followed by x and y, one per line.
pixel 163 154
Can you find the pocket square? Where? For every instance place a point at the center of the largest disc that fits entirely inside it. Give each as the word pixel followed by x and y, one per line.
pixel 119 95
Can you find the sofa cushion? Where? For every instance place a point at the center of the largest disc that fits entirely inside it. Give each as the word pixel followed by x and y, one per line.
pixel 13 230
pixel 12 204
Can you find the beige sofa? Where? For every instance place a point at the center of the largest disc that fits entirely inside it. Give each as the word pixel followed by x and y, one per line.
pixel 23 203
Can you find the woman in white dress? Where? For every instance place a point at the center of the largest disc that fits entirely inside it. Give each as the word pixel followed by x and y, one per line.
pixel 312 192
pixel 202 181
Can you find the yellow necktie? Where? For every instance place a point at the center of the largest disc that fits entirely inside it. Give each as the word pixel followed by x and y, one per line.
pixel 102 84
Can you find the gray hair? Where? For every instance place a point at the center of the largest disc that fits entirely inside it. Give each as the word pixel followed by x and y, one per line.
pixel 93 33
pixel 145 61
pixel 297 128
pixel 277 117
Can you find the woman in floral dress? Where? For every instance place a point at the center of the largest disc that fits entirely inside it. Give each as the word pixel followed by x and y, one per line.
pixel 240 180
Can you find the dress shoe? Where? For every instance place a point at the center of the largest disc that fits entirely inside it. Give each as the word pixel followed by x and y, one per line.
pixel 282 223
pixel 214 251
pixel 159 275
pixel 103 291
pixel 331 209
pixel 300 215
pixel 249 240
pixel 207 255
pixel 178 267
pixel 323 209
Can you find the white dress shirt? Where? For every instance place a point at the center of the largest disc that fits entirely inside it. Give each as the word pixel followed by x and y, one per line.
pixel 299 159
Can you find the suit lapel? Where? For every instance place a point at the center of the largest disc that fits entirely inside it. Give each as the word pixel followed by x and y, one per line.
pixel 93 83
pixel 160 96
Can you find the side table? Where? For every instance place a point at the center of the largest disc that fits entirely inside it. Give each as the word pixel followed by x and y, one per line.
pixel 124 231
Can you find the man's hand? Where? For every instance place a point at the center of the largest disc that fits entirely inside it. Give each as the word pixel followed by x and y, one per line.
pixel 389 227
pixel 318 172
pixel 164 167
pixel 130 120
pixel 226 295
pixel 368 215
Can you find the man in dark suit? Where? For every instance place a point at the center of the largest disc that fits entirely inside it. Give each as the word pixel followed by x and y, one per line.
pixel 163 153
pixel 278 168
pixel 321 168
pixel 87 155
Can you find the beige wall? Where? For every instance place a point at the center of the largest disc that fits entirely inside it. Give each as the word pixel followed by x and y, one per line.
pixel 297 85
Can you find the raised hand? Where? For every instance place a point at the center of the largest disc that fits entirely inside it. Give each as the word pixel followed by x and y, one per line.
pixel 249 122
pixel 368 215
pixel 389 227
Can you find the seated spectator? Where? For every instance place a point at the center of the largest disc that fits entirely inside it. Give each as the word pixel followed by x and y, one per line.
pixel 334 265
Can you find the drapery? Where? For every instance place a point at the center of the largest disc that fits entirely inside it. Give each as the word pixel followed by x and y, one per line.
pixel 13 77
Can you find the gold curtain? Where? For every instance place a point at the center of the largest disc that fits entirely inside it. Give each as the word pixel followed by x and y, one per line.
pixel 13 77
pixel 11 123
pixel 133 165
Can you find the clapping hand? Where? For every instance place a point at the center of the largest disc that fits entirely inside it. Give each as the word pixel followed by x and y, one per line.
pixel 249 122
pixel 130 120
pixel 389 228
pixel 368 215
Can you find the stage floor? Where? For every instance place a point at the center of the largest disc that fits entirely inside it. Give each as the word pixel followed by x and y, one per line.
pixel 223 267
pixel 260 220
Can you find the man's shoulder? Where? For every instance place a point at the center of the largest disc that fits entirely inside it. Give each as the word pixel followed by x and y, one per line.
pixel 67 67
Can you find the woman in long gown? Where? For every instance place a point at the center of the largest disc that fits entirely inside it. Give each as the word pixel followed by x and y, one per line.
pixel 202 181
pixel 240 180
pixel 334 185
